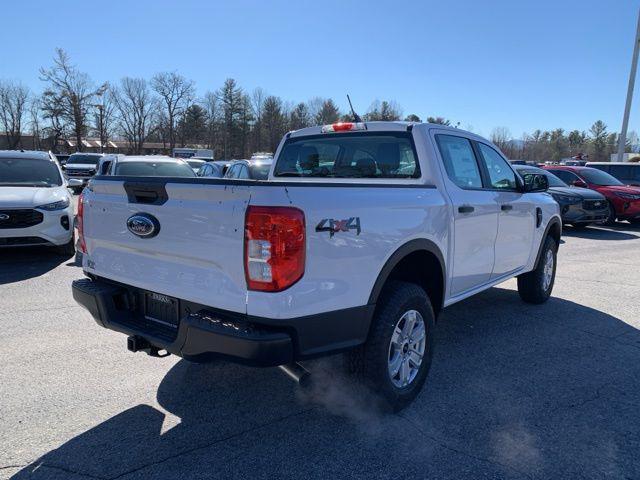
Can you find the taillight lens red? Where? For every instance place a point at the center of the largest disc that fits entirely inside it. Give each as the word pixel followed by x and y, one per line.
pixel 79 224
pixel 274 247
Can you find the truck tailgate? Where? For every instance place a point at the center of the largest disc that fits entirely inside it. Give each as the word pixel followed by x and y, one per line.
pixel 197 253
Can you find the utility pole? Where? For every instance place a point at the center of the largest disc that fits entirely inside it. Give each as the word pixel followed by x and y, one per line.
pixel 632 80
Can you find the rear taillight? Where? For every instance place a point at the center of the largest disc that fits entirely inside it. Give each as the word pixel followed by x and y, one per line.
pixel 79 225
pixel 274 247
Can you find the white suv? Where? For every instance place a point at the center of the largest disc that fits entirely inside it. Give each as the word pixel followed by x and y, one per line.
pixel 35 203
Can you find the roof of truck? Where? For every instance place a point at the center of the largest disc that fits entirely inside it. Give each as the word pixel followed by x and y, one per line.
pixel 150 158
pixel 396 126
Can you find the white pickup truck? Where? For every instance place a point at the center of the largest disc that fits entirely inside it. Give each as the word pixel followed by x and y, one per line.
pixel 361 235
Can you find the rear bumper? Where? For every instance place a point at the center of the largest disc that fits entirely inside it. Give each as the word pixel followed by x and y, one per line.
pixel 204 333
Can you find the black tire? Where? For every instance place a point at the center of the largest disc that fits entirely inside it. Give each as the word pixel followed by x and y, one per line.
pixel 611 216
pixel 369 362
pixel 580 226
pixel 68 249
pixel 531 285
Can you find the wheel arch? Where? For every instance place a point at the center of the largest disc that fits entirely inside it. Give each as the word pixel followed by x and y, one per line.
pixel 553 229
pixel 405 264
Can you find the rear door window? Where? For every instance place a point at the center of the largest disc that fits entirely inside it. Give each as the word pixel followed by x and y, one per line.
pixel 459 161
pixel 349 155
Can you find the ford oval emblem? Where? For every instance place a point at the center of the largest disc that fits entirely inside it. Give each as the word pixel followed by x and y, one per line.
pixel 143 225
pixel 4 216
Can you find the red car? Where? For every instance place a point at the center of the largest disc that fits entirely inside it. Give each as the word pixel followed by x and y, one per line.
pixel 624 201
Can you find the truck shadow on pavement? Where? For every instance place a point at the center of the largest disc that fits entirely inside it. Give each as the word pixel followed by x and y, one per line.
pixel 515 391
pixel 25 263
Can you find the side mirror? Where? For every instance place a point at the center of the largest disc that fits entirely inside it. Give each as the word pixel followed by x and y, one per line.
pixel 535 182
pixel 579 183
pixel 74 183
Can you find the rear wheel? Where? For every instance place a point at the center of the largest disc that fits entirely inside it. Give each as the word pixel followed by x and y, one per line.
pixel 395 360
pixel 536 286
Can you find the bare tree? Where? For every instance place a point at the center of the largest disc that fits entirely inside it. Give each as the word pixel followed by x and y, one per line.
pixel 176 94
pixel 501 136
pixel 104 116
pixel 212 107
pixel 53 111
pixel 136 107
pixel 14 99
pixel 74 91
pixel 35 107
pixel 257 104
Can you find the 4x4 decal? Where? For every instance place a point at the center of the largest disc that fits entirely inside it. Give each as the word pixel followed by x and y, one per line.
pixel 334 226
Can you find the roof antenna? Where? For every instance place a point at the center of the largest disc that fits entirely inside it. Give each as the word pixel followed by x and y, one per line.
pixel 356 117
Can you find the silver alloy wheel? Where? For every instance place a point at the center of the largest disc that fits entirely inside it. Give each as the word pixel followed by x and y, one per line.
pixel 548 270
pixel 406 348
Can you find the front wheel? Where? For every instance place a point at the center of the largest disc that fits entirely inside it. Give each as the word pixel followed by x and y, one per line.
pixel 395 360
pixel 611 215
pixel 536 286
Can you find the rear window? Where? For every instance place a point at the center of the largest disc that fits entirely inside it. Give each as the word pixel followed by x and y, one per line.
pixel 154 169
pixel 349 155
pixel 29 172
pixel 83 159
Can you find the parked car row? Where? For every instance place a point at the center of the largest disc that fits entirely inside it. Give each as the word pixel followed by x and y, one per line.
pixel 252 169
pixel 585 194
pixel 623 201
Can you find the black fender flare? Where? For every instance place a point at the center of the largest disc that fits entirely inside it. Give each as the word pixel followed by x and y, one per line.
pixel 552 222
pixel 419 244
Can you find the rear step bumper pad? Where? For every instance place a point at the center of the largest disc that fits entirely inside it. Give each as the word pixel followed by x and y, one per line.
pixel 199 337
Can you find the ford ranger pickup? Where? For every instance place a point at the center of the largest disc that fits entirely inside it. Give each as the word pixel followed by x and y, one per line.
pixel 360 236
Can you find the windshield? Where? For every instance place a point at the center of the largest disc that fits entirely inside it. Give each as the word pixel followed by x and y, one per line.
pixel 260 171
pixel 553 180
pixel 29 172
pixel 349 155
pixel 598 177
pixel 83 159
pixel 154 169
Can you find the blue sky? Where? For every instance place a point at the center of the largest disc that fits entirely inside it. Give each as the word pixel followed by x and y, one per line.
pixel 519 64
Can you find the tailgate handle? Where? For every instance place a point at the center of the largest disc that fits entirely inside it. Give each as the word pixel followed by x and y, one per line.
pixel 145 196
pixel 148 193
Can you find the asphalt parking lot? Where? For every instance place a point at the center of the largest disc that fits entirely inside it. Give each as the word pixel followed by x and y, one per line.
pixel 515 391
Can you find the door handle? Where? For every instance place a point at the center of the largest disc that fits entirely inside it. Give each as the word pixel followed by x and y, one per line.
pixel 506 207
pixel 466 209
